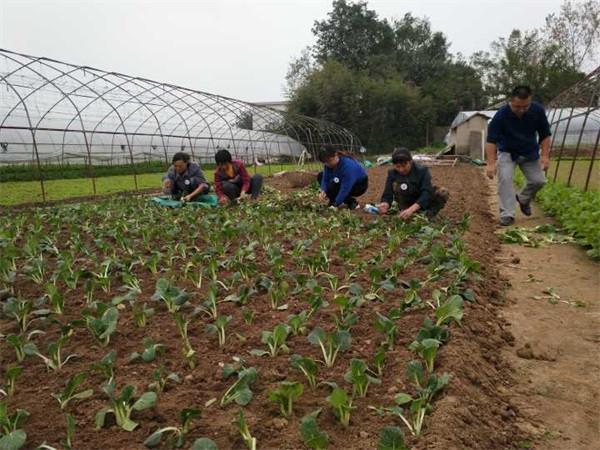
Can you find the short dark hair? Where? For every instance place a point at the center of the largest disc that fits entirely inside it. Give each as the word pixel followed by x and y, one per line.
pixel 181 156
pixel 223 157
pixel 400 155
pixel 326 152
pixel 522 91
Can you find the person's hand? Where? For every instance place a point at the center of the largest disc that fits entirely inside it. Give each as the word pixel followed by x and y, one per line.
pixel 223 200
pixel 545 162
pixel 406 214
pixel 322 195
pixel 167 184
pixel 383 207
pixel 243 196
pixel 186 198
pixel 490 170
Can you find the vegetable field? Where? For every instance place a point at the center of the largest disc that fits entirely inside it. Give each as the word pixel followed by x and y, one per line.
pixel 277 324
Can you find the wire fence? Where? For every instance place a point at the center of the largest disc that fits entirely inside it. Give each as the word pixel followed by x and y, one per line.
pixel 58 114
pixel 574 118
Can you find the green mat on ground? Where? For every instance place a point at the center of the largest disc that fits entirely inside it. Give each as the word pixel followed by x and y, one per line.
pixel 202 201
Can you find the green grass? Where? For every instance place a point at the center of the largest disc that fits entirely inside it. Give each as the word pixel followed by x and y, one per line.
pixel 580 172
pixel 18 192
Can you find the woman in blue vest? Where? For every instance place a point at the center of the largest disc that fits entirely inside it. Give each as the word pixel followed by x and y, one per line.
pixel 343 178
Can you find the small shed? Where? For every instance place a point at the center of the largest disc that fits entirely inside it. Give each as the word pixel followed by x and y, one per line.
pixel 468 133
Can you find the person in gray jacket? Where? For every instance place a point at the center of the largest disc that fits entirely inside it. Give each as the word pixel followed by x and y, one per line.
pixel 184 180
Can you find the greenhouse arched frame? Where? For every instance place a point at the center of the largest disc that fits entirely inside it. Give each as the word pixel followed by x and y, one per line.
pixel 52 112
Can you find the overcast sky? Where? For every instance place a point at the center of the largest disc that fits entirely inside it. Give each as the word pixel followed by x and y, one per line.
pixel 235 48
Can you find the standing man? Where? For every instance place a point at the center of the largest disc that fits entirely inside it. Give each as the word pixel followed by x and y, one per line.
pixel 184 179
pixel 515 135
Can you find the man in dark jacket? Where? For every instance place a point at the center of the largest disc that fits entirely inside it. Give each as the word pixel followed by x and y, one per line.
pixel 184 179
pixel 410 185
pixel 515 135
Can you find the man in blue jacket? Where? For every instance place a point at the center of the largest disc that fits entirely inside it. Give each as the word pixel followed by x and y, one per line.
pixel 515 135
pixel 343 178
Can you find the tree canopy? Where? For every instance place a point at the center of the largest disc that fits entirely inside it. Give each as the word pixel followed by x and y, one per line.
pixel 392 81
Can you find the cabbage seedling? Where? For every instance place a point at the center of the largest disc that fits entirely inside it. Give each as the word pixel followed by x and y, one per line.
pixel 242 427
pixel 69 393
pixel 123 405
pixel 297 322
pixel 218 327
pixel 177 434
pixel 330 343
pixel 240 390
pixel 391 438
pixel 451 309
pixel 360 379
pixel 275 340
pixel 23 347
pixel 307 366
pixel 54 360
pixel 188 351
pixel 11 375
pixel 150 351
pixel 342 405
pixel 172 297
pixel 388 328
pixel 285 395
pixel 11 434
pixel 313 437
pixel 426 349
pixel 104 324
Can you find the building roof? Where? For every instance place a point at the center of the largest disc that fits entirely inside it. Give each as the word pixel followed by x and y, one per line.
pixel 465 116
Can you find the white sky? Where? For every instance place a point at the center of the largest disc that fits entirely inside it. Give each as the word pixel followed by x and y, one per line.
pixel 235 48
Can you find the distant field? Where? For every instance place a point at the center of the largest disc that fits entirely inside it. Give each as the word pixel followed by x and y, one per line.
pixel 580 172
pixel 14 193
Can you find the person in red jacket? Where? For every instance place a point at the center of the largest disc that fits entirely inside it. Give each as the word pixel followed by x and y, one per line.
pixel 232 180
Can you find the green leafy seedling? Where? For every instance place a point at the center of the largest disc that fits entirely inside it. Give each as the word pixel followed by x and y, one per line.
pixel 69 392
pixel 313 437
pixel 307 366
pixel 123 405
pixel 285 395
pixel 177 434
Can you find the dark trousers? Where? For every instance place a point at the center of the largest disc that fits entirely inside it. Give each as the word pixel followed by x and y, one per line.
pixel 233 190
pixel 437 201
pixel 359 188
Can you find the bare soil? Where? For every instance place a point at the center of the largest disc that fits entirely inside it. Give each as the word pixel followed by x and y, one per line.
pixel 485 406
pixel 557 340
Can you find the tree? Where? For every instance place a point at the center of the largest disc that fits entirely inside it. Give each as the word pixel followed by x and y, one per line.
pixel 420 54
pixel 524 58
pixel 576 31
pixel 351 34
pixel 299 70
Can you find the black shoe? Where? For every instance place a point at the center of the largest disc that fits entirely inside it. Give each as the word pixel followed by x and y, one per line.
pixel 353 204
pixel 525 207
pixel 506 221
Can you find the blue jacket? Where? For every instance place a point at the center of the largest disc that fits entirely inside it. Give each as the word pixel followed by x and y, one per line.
pixel 519 136
pixel 347 172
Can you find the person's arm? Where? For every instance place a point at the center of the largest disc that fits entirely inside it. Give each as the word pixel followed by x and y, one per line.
pixel 422 202
pixel 245 176
pixel 169 181
pixel 219 185
pixel 388 194
pixel 197 177
pixel 491 151
pixel 348 175
pixel 326 178
pixel 544 135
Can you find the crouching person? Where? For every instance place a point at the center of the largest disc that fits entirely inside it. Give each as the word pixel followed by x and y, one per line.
pixel 184 179
pixel 232 180
pixel 410 185
pixel 343 178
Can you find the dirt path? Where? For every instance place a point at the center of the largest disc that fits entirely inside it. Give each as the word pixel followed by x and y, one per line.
pixel 557 340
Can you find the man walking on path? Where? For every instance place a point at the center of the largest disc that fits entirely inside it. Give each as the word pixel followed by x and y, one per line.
pixel 515 135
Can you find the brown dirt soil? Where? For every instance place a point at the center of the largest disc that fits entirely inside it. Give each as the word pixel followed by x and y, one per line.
pixel 476 410
pixel 556 349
